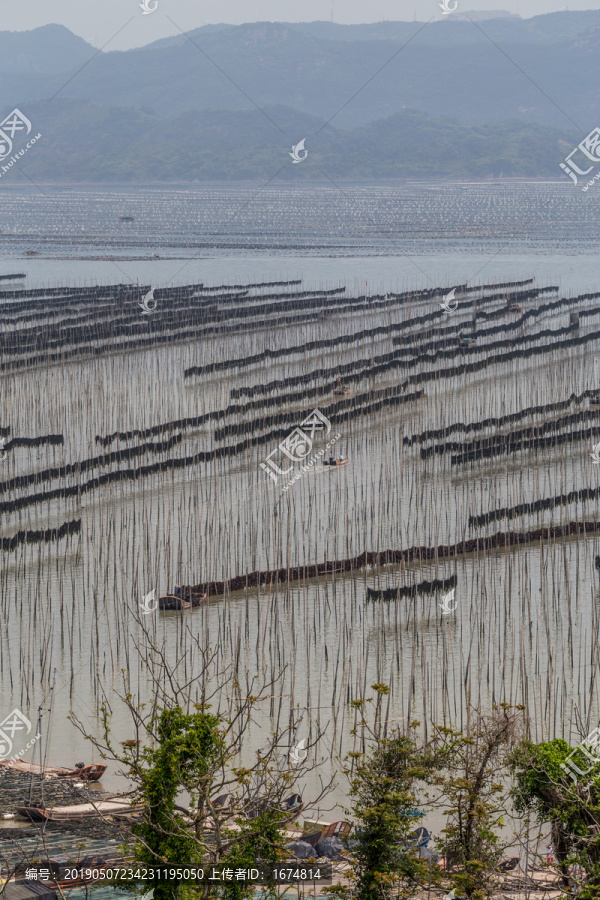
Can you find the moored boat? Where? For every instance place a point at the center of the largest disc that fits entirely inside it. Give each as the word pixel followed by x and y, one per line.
pixel 176 602
pixel 82 772
pixel 115 806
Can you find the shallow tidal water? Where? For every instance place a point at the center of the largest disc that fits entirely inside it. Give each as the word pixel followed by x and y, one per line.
pixel 526 623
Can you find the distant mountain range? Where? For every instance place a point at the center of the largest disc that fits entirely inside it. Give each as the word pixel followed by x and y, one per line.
pixel 450 98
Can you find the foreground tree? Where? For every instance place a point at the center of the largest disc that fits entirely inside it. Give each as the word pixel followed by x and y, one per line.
pixel 570 805
pixel 207 799
pixel 383 778
pixel 474 797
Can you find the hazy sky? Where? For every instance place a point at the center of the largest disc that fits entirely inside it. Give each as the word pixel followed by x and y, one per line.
pixel 98 20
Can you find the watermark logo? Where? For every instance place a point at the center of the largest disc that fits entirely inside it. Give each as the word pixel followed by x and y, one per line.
pixel 147 605
pixel 14 723
pixel 3 453
pixel 11 128
pixel 446 8
pixel 298 754
pixel 447 304
pixel 590 152
pixel 446 601
pixel 13 123
pixel 297 150
pixel 589 748
pixel 596 454
pixel 145 303
pixel 298 444
pixel 147 9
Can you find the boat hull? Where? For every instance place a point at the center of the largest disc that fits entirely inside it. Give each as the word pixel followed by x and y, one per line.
pixel 174 602
pixel 86 773
pixel 81 811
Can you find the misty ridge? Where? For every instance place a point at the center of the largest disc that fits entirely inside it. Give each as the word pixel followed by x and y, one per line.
pixel 449 104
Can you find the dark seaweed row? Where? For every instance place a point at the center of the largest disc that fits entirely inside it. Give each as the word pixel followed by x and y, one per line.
pixel 554 440
pixel 52 335
pixel 517 323
pixel 86 464
pixel 386 557
pixel 370 301
pixel 427 435
pixel 258 284
pixel 88 327
pixel 424 587
pixel 187 302
pixel 64 295
pixel 388 361
pixel 353 372
pixel 435 433
pixel 63 298
pixel 238 409
pixel 127 474
pixel 182 298
pixel 215 415
pixel 132 474
pixel 36 537
pixel 349 405
pixel 476 366
pixel 52 439
pixel 451 335
pixel 524 509
pixel 83 350
pixel 168 320
pixel 309 346
pixel 232 450
pixel 498 443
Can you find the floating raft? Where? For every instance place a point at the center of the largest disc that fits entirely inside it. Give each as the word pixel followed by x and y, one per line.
pixel 387 557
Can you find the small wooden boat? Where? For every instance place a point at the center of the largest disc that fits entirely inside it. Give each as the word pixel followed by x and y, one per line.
pixel 336 462
pixel 115 806
pixel 466 341
pixel 340 389
pixel 81 772
pixel 335 829
pixel 418 838
pixel 292 806
pixel 507 865
pixel 126 219
pixel 595 398
pixel 175 602
pixel 515 308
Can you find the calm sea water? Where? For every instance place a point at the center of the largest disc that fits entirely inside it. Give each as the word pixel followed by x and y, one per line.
pixel 392 237
pixel 67 607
